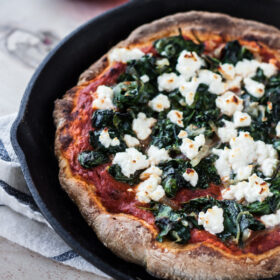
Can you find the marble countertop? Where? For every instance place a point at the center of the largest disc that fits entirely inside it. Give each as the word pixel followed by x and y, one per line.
pixel 28 30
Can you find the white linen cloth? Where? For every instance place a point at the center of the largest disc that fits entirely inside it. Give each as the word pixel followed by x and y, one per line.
pixel 20 219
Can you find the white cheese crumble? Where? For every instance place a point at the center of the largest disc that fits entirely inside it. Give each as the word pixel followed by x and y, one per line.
pixel 157 155
pixel 271 220
pixel 229 103
pixel 241 119
pixel 246 68
pixel 142 126
pixel 162 62
pixel 103 98
pixel 191 176
pixel 150 190
pixel 227 70
pixel 277 129
pixel 243 152
pixel 176 117
pixel 234 84
pixel 190 148
pixel 254 88
pixel 244 172
pixel 124 55
pixel 188 64
pixel 212 220
pixel 159 103
pixel 182 134
pixel 227 132
pixel 130 161
pixel 256 189
pixel 168 82
pixel 105 139
pixel 188 90
pixel 213 80
pixel 130 141
pixel 145 78
pixel 152 170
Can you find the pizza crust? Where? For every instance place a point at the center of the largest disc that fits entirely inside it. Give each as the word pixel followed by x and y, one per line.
pixel 133 239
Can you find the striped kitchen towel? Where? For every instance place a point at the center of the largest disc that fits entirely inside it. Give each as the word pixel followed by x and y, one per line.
pixel 20 219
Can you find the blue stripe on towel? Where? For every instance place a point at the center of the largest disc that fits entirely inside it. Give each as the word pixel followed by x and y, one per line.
pixel 3 152
pixel 20 196
pixel 65 256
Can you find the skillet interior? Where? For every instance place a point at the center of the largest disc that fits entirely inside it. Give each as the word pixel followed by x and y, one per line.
pixel 33 131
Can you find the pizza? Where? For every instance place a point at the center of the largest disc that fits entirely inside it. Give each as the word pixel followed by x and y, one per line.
pixel 169 145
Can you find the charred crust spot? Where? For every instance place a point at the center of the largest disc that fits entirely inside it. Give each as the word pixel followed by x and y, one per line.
pixel 65 141
pixel 270 265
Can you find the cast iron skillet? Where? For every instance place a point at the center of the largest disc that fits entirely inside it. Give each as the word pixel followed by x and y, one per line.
pixel 33 131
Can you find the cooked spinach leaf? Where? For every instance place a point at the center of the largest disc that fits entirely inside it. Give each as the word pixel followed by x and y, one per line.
pixel 171 47
pixel 172 177
pixel 234 52
pixel 89 159
pixel 165 133
pixel 128 94
pixel 207 172
pixel 116 172
pixel 173 225
pixel 102 118
pixel 236 217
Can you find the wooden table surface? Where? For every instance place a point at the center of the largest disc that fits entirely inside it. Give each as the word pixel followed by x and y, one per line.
pixel 28 30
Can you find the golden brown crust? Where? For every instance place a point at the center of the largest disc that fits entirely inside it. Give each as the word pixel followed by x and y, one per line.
pixel 133 239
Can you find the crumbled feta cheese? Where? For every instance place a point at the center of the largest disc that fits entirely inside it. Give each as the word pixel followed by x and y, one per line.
pixel 130 161
pixel 222 163
pixel 182 134
pixel 124 55
pixel 190 148
pixel 241 119
pixel 188 90
pixel 153 170
pixel 142 126
pixel 227 132
pixel 234 84
pixel 168 82
pixel 229 103
pixel 160 103
pixel 105 139
pixel 191 176
pixel 130 141
pixel 254 190
pixel 145 78
pixel 162 62
pixel 227 70
pixel 212 220
pixel 188 64
pixel 244 173
pixel 271 220
pixel 213 80
pixel 246 68
pixel 243 152
pixel 269 69
pixel 268 166
pixel 157 155
pixel 103 98
pixel 277 128
pixel 150 190
pixel 176 117
pixel 254 88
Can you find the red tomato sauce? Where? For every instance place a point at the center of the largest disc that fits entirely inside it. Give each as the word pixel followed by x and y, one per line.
pixel 116 196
